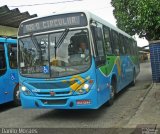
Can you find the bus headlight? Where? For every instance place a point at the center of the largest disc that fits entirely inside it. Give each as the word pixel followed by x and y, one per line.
pixel 23 88
pixel 25 91
pixel 84 88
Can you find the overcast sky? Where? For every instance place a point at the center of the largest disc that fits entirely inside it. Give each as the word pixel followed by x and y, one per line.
pixel 101 8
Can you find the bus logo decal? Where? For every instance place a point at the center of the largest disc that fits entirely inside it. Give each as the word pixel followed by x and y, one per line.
pixel 45 69
pixel 12 76
pixel 52 93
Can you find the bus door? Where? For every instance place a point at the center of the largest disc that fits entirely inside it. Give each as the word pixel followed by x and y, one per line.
pixel 3 76
pixel 12 70
pixel 100 61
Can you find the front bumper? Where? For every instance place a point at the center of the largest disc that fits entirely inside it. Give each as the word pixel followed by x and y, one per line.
pixel 69 102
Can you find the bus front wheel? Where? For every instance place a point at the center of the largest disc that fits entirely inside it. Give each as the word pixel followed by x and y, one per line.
pixel 112 93
pixel 134 79
pixel 16 97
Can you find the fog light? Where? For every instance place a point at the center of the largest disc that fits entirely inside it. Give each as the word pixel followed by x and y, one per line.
pixel 27 92
pixel 80 91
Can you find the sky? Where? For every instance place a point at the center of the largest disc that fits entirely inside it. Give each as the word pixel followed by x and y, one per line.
pixel 102 8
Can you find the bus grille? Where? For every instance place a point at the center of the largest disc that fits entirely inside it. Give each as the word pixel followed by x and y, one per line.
pixel 55 85
pixel 54 102
pixel 63 93
pixel 56 93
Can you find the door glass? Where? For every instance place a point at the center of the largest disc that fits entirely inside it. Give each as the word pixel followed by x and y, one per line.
pixel 12 54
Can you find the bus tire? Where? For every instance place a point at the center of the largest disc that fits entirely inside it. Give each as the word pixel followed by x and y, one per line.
pixel 16 97
pixel 113 92
pixel 133 83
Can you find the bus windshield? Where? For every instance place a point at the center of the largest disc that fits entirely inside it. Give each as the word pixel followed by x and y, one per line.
pixel 48 55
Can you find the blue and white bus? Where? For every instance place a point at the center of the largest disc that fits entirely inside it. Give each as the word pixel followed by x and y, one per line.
pixel 9 87
pixel 73 60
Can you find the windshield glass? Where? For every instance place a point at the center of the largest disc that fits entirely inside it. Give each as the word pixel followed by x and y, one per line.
pixel 54 55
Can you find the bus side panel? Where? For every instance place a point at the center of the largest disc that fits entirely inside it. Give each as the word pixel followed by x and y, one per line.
pixel 121 67
pixel 102 87
pixel 2 75
pixel 9 80
pixel 2 87
pixel 126 71
pixel 12 78
pixel 128 65
pixel 12 83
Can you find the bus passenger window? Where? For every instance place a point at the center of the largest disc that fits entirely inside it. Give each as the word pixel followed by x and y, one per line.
pixel 128 47
pixel 99 42
pixel 132 47
pixel 12 54
pixel 121 44
pixel 107 41
pixel 115 46
pixel 2 60
pixel 126 44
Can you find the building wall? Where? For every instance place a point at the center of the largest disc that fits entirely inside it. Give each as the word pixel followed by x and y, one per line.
pixel 8 31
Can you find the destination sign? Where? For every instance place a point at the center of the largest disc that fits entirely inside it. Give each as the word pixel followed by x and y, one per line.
pixel 52 22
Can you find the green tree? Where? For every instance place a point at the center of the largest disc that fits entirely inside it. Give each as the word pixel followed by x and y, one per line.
pixel 138 16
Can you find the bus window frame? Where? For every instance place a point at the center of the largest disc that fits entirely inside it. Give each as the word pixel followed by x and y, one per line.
pixel 13 45
pixel 121 46
pixel 110 39
pixel 113 42
pixel 99 60
pixel 126 46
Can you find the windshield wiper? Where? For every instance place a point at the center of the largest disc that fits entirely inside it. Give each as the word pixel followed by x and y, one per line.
pixel 24 55
pixel 60 40
pixel 35 42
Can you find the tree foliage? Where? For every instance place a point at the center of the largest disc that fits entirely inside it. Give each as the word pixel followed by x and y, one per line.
pixel 138 16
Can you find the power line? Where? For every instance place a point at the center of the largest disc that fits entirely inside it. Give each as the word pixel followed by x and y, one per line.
pixel 46 3
pixel 102 8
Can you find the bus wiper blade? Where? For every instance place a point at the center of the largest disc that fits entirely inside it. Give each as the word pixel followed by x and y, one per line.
pixel 62 37
pixel 55 48
pixel 60 40
pixel 21 41
pixel 35 42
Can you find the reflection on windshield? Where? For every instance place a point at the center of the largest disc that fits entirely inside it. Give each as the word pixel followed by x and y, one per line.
pixel 38 58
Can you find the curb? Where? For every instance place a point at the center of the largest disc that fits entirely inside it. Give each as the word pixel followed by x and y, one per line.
pixel 148 90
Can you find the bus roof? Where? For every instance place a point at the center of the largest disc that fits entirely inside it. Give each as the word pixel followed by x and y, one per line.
pixel 95 17
pixel 8 40
pixel 89 17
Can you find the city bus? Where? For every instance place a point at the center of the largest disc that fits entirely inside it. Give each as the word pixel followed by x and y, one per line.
pixel 9 87
pixel 73 60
